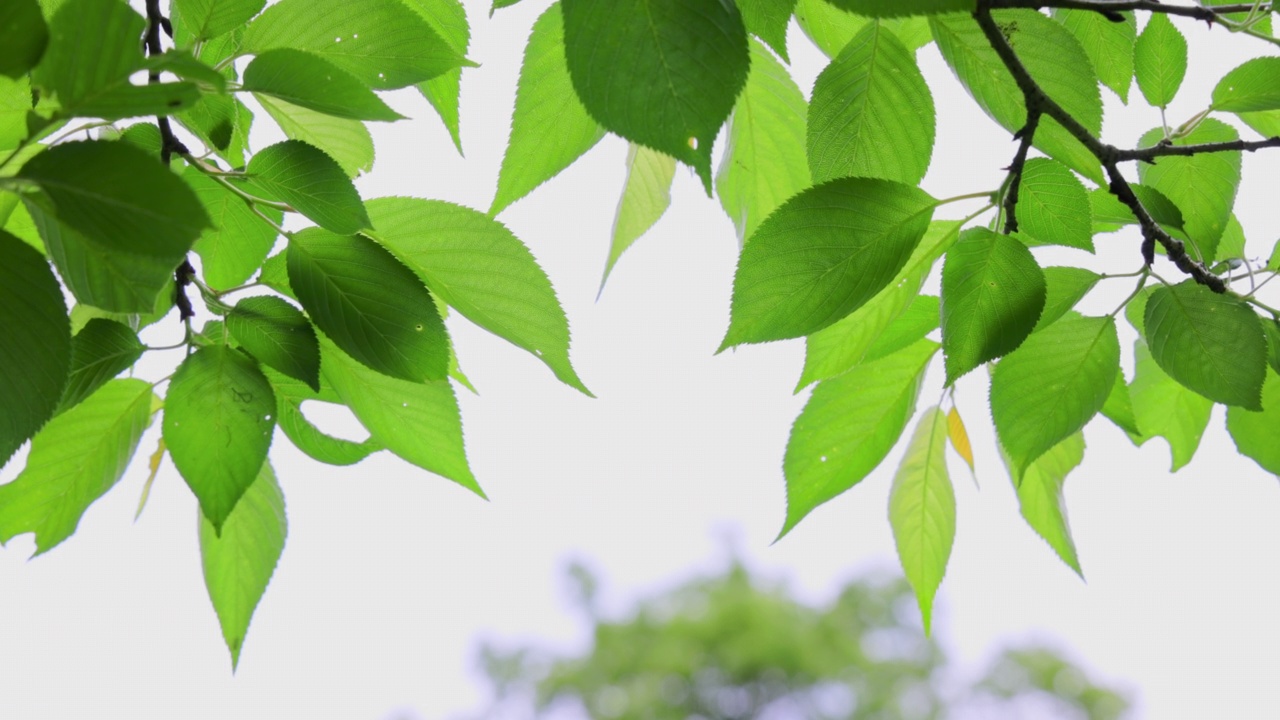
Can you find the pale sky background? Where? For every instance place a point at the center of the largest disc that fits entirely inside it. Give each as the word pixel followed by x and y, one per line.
pixel 391 575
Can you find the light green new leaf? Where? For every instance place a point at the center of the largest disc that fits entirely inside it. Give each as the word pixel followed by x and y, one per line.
pixel 871 113
pixel 239 561
pixel 993 291
pixel 478 267
pixel 206 19
pixel 1257 434
pixel 278 335
pixel 1051 55
pixel 417 421
pixel 1040 497
pixel 75 460
pixel 449 19
pixel 1064 287
pixel 1202 186
pixel 218 418
pixel 549 128
pixel 15 102
pixel 24 36
pixel 1119 408
pixel 831 28
pixel 1052 385
pixel 307 79
pixel 35 343
pixel 369 304
pixel 919 319
pixel 764 157
pixel 348 142
pixel 100 351
pixel 646 195
pixel 660 73
pixel 900 8
pixel 237 241
pixel 1053 206
pixel 1266 122
pixel 290 394
pixel 848 426
pixel 384 43
pixel 1163 407
pixel 1108 44
pixel 1160 60
pixel 1210 342
pixel 1253 86
pixel 768 20
pixel 312 183
pixel 922 510
pixel 821 255
pixel 1231 246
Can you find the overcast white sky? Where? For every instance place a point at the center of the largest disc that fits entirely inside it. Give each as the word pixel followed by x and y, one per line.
pixel 391 575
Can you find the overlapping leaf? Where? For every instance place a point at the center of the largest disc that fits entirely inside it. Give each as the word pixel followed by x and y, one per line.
pixel 1040 497
pixel 99 352
pixel 449 19
pixel 1163 407
pixel 922 510
pixel 278 335
pixel 1202 186
pixel 312 183
pixel 348 142
pixel 325 448
pixel 1108 44
pixel 237 241
pixel 646 195
pixel 1064 287
pixel 1053 206
pixel 1251 87
pixel 24 36
pixel 768 20
pixel 307 79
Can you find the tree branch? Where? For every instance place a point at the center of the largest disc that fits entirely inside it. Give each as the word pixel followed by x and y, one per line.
pixel 169 143
pixel 1165 149
pixel 1111 8
pixel 1024 136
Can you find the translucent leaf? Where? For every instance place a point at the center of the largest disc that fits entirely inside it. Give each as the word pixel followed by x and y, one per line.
pixel 1109 214
pixel 919 319
pixel 309 80
pixel 831 28
pixel 346 141
pixel 768 20
pixel 1064 287
pixel 237 241
pixel 959 438
pixel 99 352
pixel 239 561
pixel 1119 408
pixel 1165 408
pixel 1040 497
pixel 645 198
pixel 449 19
pixel 899 8
pixel 221 122
pixel 1053 206
pixel 1108 44
pixel 312 183
pixel 1253 86
pixel 922 510
pixel 1257 434
pixel 24 36
pixel 1202 186
pixel 15 102
pixel 290 394
pixel 278 335
pixel 660 73
pixel 1160 60
pixel 206 19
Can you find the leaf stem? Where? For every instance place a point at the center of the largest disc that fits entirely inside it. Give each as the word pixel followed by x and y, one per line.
pixel 1142 282
pixel 989 194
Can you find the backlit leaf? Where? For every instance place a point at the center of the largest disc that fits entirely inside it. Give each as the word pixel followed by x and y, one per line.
pixel 1119 408
pixel 1160 60
pixel 23 36
pixel 1064 287
pixel 237 241
pixel 1202 186
pixel 1165 408
pixel 307 79
pixel 278 335
pixel 645 198
pixel 1253 86
pixel 290 394
pixel 210 18
pixel 768 20
pixel 1053 206
pixel 312 183
pixel 831 28
pixel 959 438
pixel 348 142
pixel 1257 434
pixel 919 319
pixel 1108 44
pixel 922 510
pixel 99 352
pixel 899 8
pixel 449 19
pixel 1040 497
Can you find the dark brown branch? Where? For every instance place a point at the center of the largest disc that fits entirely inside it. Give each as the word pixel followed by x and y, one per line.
pixel 1024 137
pixel 1110 7
pixel 1165 149
pixel 169 143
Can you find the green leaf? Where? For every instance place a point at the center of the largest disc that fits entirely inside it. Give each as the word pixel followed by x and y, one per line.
pixel 206 19
pixel 240 558
pixel 237 241
pixel 15 103
pixel 660 73
pixel 290 394
pixel 75 460
pixel 1257 434
pixel 871 114
pixel 1202 186
pixel 24 36
pixel 992 294
pixel 549 128
pixel 218 419
pixel 768 20
pixel 1160 60
pixel 1064 287
pixel 821 255
pixel 100 351
pixel 829 27
pixel 1135 310
pixel 449 19
pixel 309 80
pixel 383 43
pixel 1253 86
pixel 1271 328
pixel 36 343
pixel 1266 123
pixel 1119 408
pixel 1040 497
pixel 278 335
pixel 1165 408
pixel 1052 56
pixel 1109 214
pixel 1231 246
pixel 1052 385
pixel 764 156
pixel 222 123
pixel 919 319
pixel 899 8
pixel 417 421
pixel 312 183
pixel 348 142
pixel 371 305
pixel 477 266
pixel 1210 342
pixel 922 510
pixel 645 198
pixel 1053 206
pixel 1108 44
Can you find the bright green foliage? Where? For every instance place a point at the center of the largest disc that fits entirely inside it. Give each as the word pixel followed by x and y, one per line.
pixel 1253 86
pixel 211 18
pixel 1109 214
pixel 871 113
pixel 992 294
pixel 1164 408
pixel 278 335
pixel 768 20
pixel 661 73
pixel 218 418
pixel 822 254
pixel 307 79
pixel 922 510
pixel 1202 186
pixel 1052 385
pixel 312 183
pixel 100 351
pixel 1255 432
pixel 645 198
pixel 831 28
pixel 1160 60
pixel 1119 408
pixel 74 460
pixel 550 128
pixel 290 394
pixel 848 426
pixel 1210 343
pixel 449 19
pixel 23 37
pixel 1064 287
pixel 1108 44
pixel 1053 206
pixel 239 561
pixel 919 319
pixel 346 141
pixel 899 8
pixel 236 241
pixel 1040 497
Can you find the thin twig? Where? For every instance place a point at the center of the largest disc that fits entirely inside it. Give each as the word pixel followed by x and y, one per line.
pixel 1025 137
pixel 1111 8
pixel 1166 149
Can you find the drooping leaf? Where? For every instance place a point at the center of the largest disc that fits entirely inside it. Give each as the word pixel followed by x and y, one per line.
pixel 348 142
pixel 848 426
pixel 218 418
pixel 1257 434
pixel 768 20
pixel 449 19
pixel 35 343
pixel 1040 497
pixel 959 437
pixel 1210 342
pixel 1253 86
pixel 307 79
pixel 312 183
pixel 1053 206
pixel 24 35
pixel 237 241
pixel 1202 186
pixel 1108 44
pixel 383 43
pixel 661 73
pixel 1052 385
pixel 99 352
pixel 1160 60
pixel 240 558
pixel 75 460
pixel 1064 287
pixel 645 198
pixel 325 448
pixel 919 319
pixel 922 510
pixel 764 158
pixel 477 266
pixel 900 8
pixel 821 255
pixel 369 304
pixel 1163 407
pixel 206 19
pixel 1119 408
pixel 549 128
pixel 278 335
pixel 992 294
